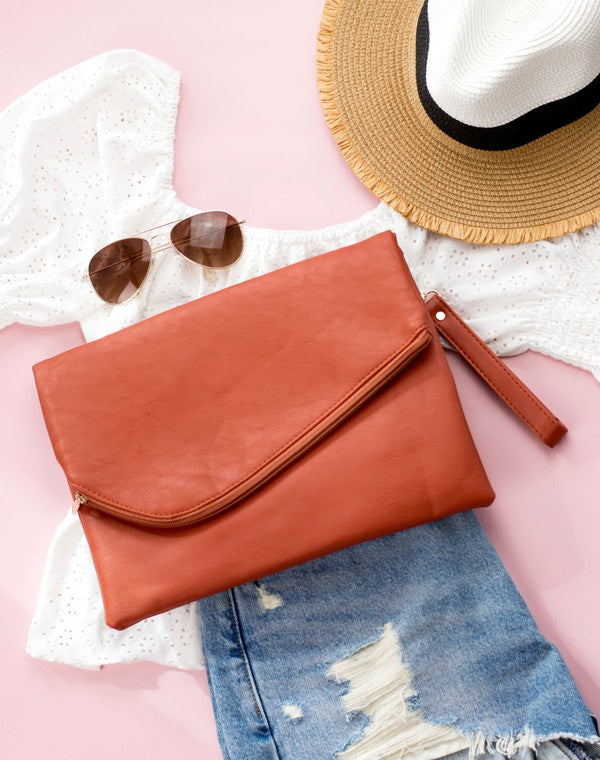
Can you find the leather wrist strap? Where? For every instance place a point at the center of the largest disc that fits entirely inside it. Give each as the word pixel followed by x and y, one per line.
pixel 494 371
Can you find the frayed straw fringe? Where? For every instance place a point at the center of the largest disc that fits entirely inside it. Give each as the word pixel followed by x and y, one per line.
pixel 482 235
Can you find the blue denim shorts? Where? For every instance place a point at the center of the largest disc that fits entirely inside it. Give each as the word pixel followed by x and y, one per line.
pixel 416 645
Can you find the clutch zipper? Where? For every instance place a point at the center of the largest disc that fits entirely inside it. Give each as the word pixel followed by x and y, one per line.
pixel 416 345
pixel 77 502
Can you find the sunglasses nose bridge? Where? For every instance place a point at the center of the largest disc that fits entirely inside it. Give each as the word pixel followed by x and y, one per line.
pixel 158 238
pixel 159 242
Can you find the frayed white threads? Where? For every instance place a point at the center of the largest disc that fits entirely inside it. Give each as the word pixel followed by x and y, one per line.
pixel 293 712
pixel 267 600
pixel 380 687
pixel 509 746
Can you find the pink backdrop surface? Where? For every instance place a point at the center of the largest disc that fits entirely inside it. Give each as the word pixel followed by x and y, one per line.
pixel 251 139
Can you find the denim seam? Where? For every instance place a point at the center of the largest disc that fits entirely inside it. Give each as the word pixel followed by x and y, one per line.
pixel 249 672
pixel 222 736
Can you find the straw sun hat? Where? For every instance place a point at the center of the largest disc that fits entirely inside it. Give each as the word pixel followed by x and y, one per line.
pixel 478 119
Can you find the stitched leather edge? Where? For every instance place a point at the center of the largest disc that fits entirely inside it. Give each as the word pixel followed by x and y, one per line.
pixel 545 436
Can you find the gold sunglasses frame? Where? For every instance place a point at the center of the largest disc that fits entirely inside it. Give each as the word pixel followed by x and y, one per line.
pixel 157 249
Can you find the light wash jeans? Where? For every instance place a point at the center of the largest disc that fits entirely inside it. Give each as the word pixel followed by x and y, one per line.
pixel 416 645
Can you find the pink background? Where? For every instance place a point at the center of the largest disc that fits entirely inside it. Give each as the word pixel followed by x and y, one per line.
pixel 251 139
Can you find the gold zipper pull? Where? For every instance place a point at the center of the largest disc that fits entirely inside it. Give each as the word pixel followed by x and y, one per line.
pixel 77 502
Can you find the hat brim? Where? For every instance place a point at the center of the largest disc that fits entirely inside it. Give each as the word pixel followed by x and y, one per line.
pixel 366 67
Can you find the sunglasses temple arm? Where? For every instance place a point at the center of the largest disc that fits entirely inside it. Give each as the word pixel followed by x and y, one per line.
pixel 158 226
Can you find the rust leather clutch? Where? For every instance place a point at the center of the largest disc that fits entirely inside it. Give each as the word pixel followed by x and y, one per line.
pixel 259 427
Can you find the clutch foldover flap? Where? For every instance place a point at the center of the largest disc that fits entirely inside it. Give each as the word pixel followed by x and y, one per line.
pixel 182 415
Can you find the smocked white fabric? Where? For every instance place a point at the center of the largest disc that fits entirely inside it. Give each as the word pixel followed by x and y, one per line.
pixel 490 62
pixel 87 157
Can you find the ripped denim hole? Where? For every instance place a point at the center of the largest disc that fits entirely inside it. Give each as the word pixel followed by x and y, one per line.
pixel 380 686
pixel 268 600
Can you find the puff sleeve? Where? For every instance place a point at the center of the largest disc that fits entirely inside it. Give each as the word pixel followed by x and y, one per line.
pixel 81 154
pixel 543 296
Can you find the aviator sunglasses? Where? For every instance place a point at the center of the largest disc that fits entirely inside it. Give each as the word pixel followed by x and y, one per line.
pixel 212 239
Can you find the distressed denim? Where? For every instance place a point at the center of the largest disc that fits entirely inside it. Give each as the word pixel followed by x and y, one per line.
pixel 416 645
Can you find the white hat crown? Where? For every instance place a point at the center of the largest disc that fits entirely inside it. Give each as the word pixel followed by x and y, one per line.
pixel 490 62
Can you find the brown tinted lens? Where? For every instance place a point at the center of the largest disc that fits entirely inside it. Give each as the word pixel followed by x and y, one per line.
pixel 118 270
pixel 213 239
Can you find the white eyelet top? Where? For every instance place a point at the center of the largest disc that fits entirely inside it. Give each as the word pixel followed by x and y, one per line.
pixel 86 157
